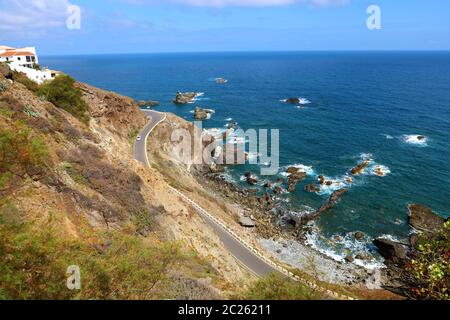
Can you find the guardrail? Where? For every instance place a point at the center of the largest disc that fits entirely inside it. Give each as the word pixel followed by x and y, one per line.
pixel 275 265
pixel 270 262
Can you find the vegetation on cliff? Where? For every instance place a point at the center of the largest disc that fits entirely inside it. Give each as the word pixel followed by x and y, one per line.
pixel 430 268
pixel 278 287
pixel 66 199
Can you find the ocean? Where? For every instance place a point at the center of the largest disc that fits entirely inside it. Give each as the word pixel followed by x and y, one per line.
pixel 355 106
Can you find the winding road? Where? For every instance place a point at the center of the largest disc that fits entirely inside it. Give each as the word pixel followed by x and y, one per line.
pixel 242 251
pixel 247 257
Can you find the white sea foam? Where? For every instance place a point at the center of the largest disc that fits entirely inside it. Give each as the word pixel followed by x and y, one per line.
pixel 388 136
pixel 217 133
pixel 331 185
pixel 229 119
pixel 338 247
pixel 379 170
pixel 415 139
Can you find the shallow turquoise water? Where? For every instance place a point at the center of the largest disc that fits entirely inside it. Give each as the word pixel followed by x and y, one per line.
pixel 361 103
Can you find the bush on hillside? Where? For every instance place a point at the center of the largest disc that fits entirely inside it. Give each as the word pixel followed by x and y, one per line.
pixel 27 82
pixel 430 269
pixel 63 94
pixel 278 287
pixel 22 154
pixel 3 86
pixel 35 258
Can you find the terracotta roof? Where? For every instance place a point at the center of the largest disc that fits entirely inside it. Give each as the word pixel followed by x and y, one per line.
pixel 15 53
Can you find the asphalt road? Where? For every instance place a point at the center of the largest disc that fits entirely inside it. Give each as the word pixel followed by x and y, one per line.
pixel 244 255
pixel 140 147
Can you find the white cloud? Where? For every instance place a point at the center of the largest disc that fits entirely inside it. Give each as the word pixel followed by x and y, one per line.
pixel 32 15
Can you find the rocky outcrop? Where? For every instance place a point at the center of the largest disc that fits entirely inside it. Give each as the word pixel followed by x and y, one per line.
pixel 148 103
pixel 332 201
pixel 293 100
pixel 391 251
pixel 424 219
pixel 185 98
pixel 251 179
pixel 202 114
pixel 221 81
pixel 247 222
pixel 359 169
pixel 359 235
pixel 295 175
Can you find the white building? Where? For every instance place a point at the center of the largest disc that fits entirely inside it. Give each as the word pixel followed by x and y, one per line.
pixel 25 60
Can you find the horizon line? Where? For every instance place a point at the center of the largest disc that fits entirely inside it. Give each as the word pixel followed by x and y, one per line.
pixel 255 51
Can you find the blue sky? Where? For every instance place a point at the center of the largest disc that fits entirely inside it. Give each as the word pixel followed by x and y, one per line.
pixel 134 26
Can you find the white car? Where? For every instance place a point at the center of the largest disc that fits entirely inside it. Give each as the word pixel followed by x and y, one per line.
pixel 139 138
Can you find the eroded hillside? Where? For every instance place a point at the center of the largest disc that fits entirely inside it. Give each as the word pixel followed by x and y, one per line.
pixel 72 194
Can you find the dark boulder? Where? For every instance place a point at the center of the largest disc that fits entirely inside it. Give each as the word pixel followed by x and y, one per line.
pixel 359 235
pixel 360 167
pixel 293 100
pixel 424 219
pixel 391 250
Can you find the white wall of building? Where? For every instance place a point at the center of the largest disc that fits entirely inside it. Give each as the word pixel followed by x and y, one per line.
pixel 38 76
pixel 25 63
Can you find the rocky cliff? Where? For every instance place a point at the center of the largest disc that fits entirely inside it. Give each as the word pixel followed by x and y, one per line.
pixel 77 182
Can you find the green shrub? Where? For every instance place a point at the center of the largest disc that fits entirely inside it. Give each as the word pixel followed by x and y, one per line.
pixel 431 268
pixel 27 82
pixel 278 287
pixel 35 258
pixel 20 151
pixel 63 94
pixel 3 86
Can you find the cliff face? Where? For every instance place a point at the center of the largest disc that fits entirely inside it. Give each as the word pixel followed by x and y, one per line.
pixel 80 183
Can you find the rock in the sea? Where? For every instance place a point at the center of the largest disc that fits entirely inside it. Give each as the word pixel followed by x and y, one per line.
pixel 359 235
pixel 251 179
pixel 202 114
pixel 312 188
pixel 184 98
pixel 391 250
pixel 247 222
pixel 295 175
pixel 293 100
pixel 334 198
pixel 268 185
pixel 277 190
pixel 424 219
pixel 221 80
pixel 148 103
pixel 360 167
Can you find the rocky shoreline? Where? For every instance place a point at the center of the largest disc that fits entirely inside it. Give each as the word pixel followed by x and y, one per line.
pixel 285 236
pixel 284 241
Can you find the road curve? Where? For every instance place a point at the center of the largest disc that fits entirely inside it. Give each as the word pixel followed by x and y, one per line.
pixel 244 255
pixel 140 147
pixel 243 252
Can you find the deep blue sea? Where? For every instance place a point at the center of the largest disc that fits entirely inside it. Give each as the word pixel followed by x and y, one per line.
pixel 362 105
